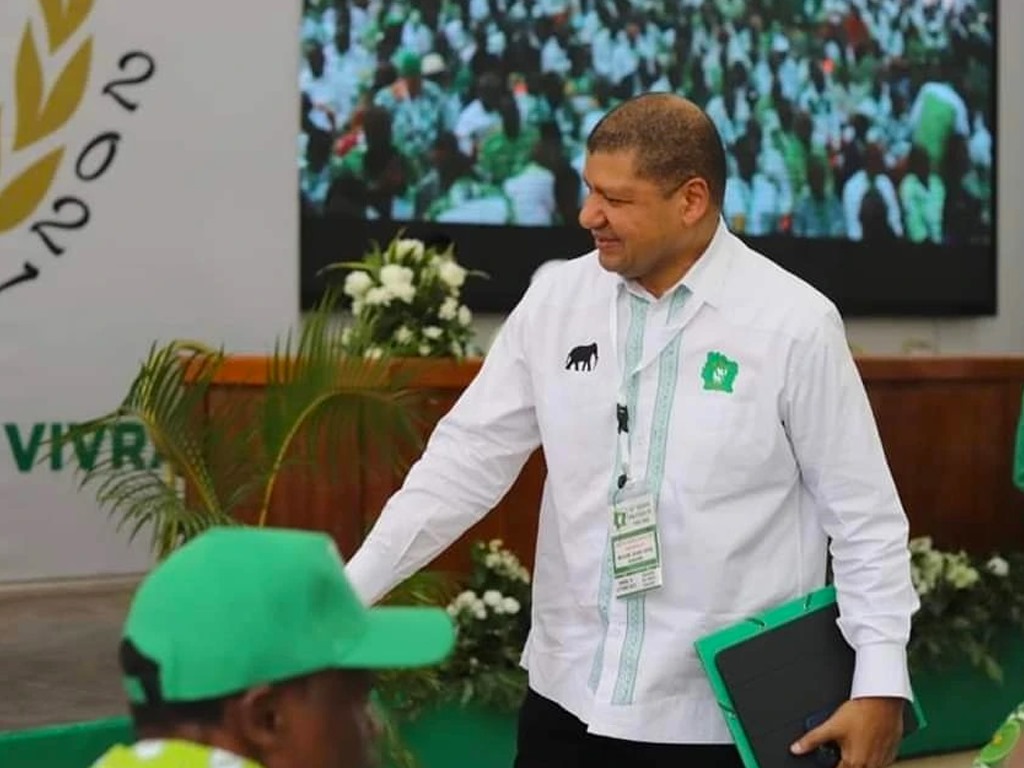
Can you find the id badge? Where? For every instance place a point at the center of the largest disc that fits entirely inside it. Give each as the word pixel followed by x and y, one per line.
pixel 636 550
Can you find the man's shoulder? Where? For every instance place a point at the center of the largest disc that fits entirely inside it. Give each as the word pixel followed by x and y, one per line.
pixel 577 277
pixel 777 297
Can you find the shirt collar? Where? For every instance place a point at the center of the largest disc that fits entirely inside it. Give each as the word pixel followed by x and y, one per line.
pixel 706 278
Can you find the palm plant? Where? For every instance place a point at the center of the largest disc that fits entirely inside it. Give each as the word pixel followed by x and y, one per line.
pixel 221 467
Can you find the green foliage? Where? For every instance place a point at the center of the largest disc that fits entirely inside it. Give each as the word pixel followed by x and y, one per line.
pixel 966 602
pixel 492 615
pixel 222 457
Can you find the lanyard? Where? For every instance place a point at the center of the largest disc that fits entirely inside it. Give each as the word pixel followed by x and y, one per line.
pixel 662 338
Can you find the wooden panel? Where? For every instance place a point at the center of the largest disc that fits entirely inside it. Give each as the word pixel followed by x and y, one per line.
pixel 947 426
pixel 950 448
pixel 308 494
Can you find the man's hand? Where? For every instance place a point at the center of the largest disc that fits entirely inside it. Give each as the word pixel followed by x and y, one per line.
pixel 867 730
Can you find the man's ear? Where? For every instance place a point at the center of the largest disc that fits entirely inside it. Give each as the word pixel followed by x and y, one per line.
pixel 694 201
pixel 258 716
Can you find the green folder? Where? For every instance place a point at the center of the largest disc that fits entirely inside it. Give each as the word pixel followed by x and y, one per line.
pixel 779 670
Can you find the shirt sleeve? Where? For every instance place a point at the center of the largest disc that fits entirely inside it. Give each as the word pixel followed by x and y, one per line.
pixel 843 465
pixel 473 456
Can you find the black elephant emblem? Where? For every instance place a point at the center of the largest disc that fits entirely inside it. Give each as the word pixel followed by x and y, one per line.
pixel 582 358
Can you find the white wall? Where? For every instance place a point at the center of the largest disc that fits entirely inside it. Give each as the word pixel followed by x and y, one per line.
pixel 193 233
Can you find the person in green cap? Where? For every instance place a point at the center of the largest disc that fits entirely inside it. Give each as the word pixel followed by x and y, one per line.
pixel 248 648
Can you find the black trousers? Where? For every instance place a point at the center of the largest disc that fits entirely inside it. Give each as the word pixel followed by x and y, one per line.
pixel 550 737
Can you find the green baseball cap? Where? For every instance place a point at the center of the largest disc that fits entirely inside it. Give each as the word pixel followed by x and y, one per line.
pixel 241 606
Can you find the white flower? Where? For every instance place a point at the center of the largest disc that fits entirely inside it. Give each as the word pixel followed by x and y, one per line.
pixel 393 275
pixel 452 610
pixel 406 292
pixel 373 353
pixel 465 316
pixel 449 309
pixel 962 576
pixel 510 606
pixel 403 335
pixel 920 545
pixel 433 332
pixel 479 611
pixel 409 248
pixel 381 296
pixel 357 307
pixel 495 545
pixel 492 560
pixel 424 350
pixel 466 597
pixel 456 349
pixel 451 274
pixel 492 597
pixel 357 283
pixel 997 566
pixel 346 336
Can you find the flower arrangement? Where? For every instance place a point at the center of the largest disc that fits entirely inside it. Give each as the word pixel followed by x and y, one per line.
pixel 492 617
pixel 406 302
pixel 965 602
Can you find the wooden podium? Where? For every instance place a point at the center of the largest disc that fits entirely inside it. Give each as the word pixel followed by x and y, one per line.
pixel 947 424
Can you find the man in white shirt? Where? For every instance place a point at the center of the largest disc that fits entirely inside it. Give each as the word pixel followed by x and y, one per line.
pixel 678 379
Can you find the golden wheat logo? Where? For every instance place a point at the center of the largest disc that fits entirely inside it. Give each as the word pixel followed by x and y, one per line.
pixel 41 109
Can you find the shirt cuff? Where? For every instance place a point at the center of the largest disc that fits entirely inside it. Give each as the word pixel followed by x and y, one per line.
pixel 881 670
pixel 361 577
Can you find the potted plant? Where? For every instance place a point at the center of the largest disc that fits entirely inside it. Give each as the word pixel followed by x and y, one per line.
pixel 406 302
pixel 966 644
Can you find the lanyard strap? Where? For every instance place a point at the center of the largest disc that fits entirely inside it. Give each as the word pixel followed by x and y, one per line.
pixel 668 344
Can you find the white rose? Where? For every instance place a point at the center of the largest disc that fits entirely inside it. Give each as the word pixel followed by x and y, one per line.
pixel 409 248
pixel 997 566
pixel 449 309
pixel 451 274
pixel 465 316
pixel 963 576
pixel 403 335
pixel 393 275
pixel 357 283
pixel 405 291
pixel 492 597
pixel 510 605
pixel 921 544
pixel 432 332
pixel 378 297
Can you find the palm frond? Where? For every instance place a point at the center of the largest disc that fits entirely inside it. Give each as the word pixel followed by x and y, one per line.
pixel 321 401
pixel 165 397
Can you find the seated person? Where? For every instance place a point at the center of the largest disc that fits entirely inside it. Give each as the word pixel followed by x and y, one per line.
pixel 247 648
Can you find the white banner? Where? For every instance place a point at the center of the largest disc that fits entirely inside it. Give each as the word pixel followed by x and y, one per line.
pixel 148 191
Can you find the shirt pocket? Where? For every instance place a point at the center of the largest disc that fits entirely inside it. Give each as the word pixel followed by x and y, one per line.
pixel 715 444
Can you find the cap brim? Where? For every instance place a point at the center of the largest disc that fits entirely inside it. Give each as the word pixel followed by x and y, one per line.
pixel 398 637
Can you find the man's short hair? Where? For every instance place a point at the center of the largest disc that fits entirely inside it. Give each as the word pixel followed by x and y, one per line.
pixel 674 141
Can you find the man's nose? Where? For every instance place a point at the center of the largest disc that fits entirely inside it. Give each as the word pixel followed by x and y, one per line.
pixel 591 216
